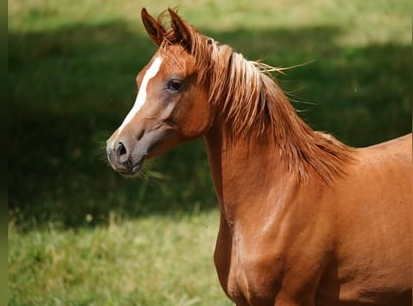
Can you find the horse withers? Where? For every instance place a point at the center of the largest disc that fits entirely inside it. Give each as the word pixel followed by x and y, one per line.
pixel 305 219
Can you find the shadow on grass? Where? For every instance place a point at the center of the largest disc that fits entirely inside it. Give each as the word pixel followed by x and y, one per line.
pixel 69 89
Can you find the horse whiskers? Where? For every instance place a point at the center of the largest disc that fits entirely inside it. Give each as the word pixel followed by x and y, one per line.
pixel 149 176
pixel 101 155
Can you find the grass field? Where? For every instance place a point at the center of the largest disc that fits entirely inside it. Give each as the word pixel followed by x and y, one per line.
pixel 79 234
pixel 156 260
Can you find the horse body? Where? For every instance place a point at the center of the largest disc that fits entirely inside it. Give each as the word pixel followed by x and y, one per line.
pixel 305 219
pixel 343 249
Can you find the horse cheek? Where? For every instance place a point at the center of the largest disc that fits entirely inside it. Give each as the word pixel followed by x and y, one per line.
pixel 193 118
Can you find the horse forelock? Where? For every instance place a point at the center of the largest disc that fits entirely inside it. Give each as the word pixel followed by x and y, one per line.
pixel 254 105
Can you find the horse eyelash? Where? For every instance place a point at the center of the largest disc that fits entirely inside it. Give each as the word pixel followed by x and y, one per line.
pixel 174 85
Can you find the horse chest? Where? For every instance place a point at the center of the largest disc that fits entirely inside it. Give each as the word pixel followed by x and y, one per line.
pixel 270 262
pixel 247 281
pixel 248 275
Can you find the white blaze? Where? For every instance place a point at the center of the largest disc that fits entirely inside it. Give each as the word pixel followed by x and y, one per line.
pixel 141 97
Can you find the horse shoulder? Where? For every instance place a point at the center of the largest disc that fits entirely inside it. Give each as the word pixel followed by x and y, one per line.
pixel 281 249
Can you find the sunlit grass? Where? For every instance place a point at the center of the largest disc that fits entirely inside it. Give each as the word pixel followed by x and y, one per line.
pixel 362 22
pixel 150 261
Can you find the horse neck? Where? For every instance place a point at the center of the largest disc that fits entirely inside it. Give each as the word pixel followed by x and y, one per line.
pixel 243 169
pixel 271 160
pixel 257 142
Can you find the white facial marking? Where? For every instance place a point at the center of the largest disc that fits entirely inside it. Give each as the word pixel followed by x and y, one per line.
pixel 141 97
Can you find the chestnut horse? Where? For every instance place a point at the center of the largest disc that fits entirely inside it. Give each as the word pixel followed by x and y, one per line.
pixel 305 220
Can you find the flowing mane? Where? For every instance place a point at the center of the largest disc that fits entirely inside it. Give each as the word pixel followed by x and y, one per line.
pixel 255 106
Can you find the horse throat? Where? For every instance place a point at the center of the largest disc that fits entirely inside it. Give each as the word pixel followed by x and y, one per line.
pixel 239 167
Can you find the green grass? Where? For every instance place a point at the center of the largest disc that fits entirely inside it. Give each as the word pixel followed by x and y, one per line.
pixel 150 261
pixel 72 67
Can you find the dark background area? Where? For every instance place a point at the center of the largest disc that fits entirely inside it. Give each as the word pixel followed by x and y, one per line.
pixel 70 89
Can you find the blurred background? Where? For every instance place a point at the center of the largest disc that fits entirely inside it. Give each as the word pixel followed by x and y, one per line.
pixel 72 67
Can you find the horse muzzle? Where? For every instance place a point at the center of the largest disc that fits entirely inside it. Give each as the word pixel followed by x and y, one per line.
pixel 125 156
pixel 127 153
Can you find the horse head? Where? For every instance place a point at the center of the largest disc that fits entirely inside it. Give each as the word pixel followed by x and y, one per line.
pixel 171 105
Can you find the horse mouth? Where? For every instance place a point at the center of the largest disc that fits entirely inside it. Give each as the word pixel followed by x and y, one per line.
pixel 128 168
pixel 132 169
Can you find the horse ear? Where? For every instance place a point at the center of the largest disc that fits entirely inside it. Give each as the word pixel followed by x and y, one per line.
pixel 181 30
pixel 155 30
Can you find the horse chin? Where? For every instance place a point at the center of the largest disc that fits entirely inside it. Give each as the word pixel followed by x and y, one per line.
pixel 132 173
pixel 134 169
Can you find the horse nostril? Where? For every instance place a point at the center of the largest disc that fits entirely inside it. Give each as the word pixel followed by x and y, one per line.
pixel 121 149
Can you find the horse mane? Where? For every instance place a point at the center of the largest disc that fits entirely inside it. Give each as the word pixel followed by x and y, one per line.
pixel 254 105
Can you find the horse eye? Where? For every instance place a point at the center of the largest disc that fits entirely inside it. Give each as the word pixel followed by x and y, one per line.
pixel 174 85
